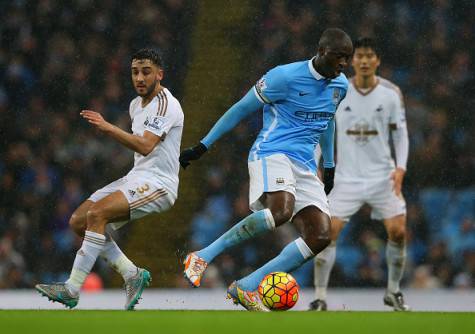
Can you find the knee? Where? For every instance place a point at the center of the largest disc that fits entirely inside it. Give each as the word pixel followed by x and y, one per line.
pixel 397 234
pixel 318 243
pixel 95 216
pixel 77 223
pixel 320 236
pixel 282 215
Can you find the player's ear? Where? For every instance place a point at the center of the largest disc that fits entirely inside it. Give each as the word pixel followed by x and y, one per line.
pixel 378 62
pixel 159 74
pixel 321 51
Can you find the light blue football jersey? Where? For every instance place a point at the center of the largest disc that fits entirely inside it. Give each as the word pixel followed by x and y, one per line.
pixel 299 103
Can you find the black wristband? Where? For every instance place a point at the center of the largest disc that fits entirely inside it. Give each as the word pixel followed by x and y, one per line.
pixel 200 148
pixel 328 173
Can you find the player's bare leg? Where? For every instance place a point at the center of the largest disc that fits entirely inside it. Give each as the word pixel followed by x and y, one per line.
pixel 324 262
pixel 396 259
pixel 279 207
pixel 111 252
pixel 281 204
pixel 314 228
pixel 110 209
pixel 78 220
pixel 317 230
pixel 113 207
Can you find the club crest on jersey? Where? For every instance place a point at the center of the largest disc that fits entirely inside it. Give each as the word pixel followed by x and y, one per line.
pixel 280 180
pixel 336 96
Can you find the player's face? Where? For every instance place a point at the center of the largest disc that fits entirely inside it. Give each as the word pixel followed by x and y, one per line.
pixel 335 59
pixel 365 62
pixel 145 76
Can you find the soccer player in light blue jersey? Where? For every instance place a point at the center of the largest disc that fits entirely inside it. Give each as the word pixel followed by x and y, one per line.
pixel 299 102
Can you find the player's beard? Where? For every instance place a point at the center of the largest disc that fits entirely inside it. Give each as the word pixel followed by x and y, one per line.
pixel 149 91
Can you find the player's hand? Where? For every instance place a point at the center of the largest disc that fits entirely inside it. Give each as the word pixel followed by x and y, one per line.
pixel 192 153
pixel 328 177
pixel 397 176
pixel 96 119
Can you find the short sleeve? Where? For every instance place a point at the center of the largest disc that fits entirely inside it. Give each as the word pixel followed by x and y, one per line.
pixel 272 87
pixel 341 96
pixel 159 122
pixel 339 89
pixel 132 107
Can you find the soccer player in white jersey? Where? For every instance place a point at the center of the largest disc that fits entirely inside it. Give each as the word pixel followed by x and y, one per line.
pixel 372 111
pixel 151 186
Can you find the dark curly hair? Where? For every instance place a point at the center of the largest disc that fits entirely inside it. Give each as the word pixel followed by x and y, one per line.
pixel 150 54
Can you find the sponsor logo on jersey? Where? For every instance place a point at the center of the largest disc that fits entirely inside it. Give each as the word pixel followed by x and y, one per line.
pixel 310 116
pixel 347 109
pixel 361 133
pixel 131 192
pixel 379 108
pixel 303 93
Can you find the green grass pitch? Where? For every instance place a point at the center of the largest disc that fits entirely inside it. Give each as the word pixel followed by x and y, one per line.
pixel 210 322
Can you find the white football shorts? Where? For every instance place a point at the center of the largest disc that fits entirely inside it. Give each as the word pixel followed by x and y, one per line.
pixel 278 173
pixel 143 194
pixel 347 197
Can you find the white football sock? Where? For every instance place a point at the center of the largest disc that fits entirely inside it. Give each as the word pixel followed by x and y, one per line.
pixel 117 259
pixel 324 262
pixel 396 259
pixel 86 256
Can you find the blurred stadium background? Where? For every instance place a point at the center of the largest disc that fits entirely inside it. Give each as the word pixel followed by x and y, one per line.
pixel 58 57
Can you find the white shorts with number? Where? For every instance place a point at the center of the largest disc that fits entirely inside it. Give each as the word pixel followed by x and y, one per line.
pixel 347 197
pixel 144 195
pixel 278 173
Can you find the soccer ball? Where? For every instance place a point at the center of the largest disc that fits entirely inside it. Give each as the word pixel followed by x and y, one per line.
pixel 279 291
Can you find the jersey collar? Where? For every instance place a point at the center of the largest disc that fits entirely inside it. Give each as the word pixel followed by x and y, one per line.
pixel 364 93
pixel 314 72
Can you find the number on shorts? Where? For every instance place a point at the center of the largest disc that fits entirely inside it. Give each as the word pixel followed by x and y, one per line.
pixel 143 189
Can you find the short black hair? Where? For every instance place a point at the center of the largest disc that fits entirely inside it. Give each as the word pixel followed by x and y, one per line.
pixel 331 36
pixel 150 54
pixel 368 42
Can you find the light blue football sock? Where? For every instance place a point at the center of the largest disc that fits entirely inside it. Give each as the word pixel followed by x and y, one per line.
pixel 251 226
pixel 292 257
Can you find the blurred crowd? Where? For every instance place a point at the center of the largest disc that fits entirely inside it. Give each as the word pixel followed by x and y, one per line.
pixel 427 50
pixel 56 60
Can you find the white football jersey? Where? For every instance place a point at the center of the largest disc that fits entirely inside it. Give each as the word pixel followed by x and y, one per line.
pixel 363 128
pixel 163 117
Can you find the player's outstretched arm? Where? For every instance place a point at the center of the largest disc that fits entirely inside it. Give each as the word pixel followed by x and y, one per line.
pixel 140 144
pixel 327 142
pixel 248 104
